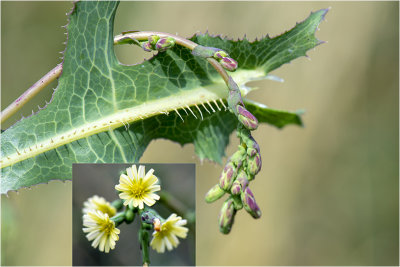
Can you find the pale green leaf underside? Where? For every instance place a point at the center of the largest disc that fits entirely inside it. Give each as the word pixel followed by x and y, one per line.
pixel 97 96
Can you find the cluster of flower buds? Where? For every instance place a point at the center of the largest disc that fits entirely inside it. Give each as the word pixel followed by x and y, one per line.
pixel 158 43
pixel 240 169
pixel 221 56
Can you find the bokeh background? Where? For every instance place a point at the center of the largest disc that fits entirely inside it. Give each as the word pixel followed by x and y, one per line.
pixel 329 192
pixel 176 180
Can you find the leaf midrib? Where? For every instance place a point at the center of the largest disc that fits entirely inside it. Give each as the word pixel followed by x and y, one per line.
pixel 202 95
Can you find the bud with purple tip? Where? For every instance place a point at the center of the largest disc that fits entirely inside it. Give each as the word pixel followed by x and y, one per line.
pixel 246 118
pixel 249 203
pixel 254 164
pixel 164 43
pixel 227 176
pixel 220 54
pixel 240 183
pixel 153 39
pixel 243 179
pixel 229 63
pixel 147 47
pixel 236 188
pixel 226 216
pixel 238 157
pixel 214 194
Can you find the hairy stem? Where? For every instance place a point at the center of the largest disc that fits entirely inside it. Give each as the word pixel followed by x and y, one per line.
pixel 31 92
pixel 119 39
pixel 144 242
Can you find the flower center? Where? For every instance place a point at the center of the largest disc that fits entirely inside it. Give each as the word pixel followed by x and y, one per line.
pixel 138 190
pixel 107 228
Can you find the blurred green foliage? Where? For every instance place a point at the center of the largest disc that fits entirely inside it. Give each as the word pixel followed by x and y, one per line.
pixel 328 192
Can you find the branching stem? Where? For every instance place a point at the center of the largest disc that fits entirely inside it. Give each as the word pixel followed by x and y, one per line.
pixel 119 39
pixel 31 92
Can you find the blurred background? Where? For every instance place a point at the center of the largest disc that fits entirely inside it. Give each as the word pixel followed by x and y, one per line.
pixel 176 180
pixel 329 192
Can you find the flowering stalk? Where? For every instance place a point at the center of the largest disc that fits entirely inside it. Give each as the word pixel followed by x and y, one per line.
pixel 240 169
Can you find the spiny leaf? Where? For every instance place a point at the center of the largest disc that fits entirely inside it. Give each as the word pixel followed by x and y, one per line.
pixel 103 111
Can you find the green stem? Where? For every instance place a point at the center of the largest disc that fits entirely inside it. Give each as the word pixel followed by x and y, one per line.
pixel 144 242
pixel 119 39
pixel 30 93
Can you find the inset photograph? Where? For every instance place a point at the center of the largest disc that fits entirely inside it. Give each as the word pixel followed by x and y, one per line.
pixel 134 214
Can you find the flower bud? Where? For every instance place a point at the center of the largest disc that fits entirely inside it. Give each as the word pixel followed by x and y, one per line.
pixel 238 156
pixel 153 39
pixel 254 164
pixel 243 179
pixel 147 47
pixel 220 54
pixel 214 194
pixel 236 188
pixel 164 43
pixel 246 118
pixel 148 216
pixel 117 204
pixel 229 63
pixel 227 176
pixel 226 216
pixel 129 216
pixel 249 203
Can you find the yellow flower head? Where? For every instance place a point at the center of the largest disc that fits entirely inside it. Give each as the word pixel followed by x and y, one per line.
pixel 138 187
pixel 101 230
pixel 167 234
pixel 99 203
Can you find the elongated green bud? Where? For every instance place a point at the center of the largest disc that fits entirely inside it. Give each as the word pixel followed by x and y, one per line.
pixel 252 146
pixel 227 176
pixel 220 55
pixel 240 183
pixel 246 118
pixel 227 216
pixel 254 164
pixel 164 43
pixel 236 188
pixel 147 47
pixel 204 51
pixel 243 179
pixel 249 203
pixel 229 63
pixel 214 194
pixel 117 204
pixel 129 216
pixel 153 39
pixel 238 157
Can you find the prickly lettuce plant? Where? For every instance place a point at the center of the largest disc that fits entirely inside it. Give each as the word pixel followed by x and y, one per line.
pixel 106 112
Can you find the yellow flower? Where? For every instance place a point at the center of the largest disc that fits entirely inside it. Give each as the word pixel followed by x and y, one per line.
pixel 99 203
pixel 101 229
pixel 137 187
pixel 167 234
